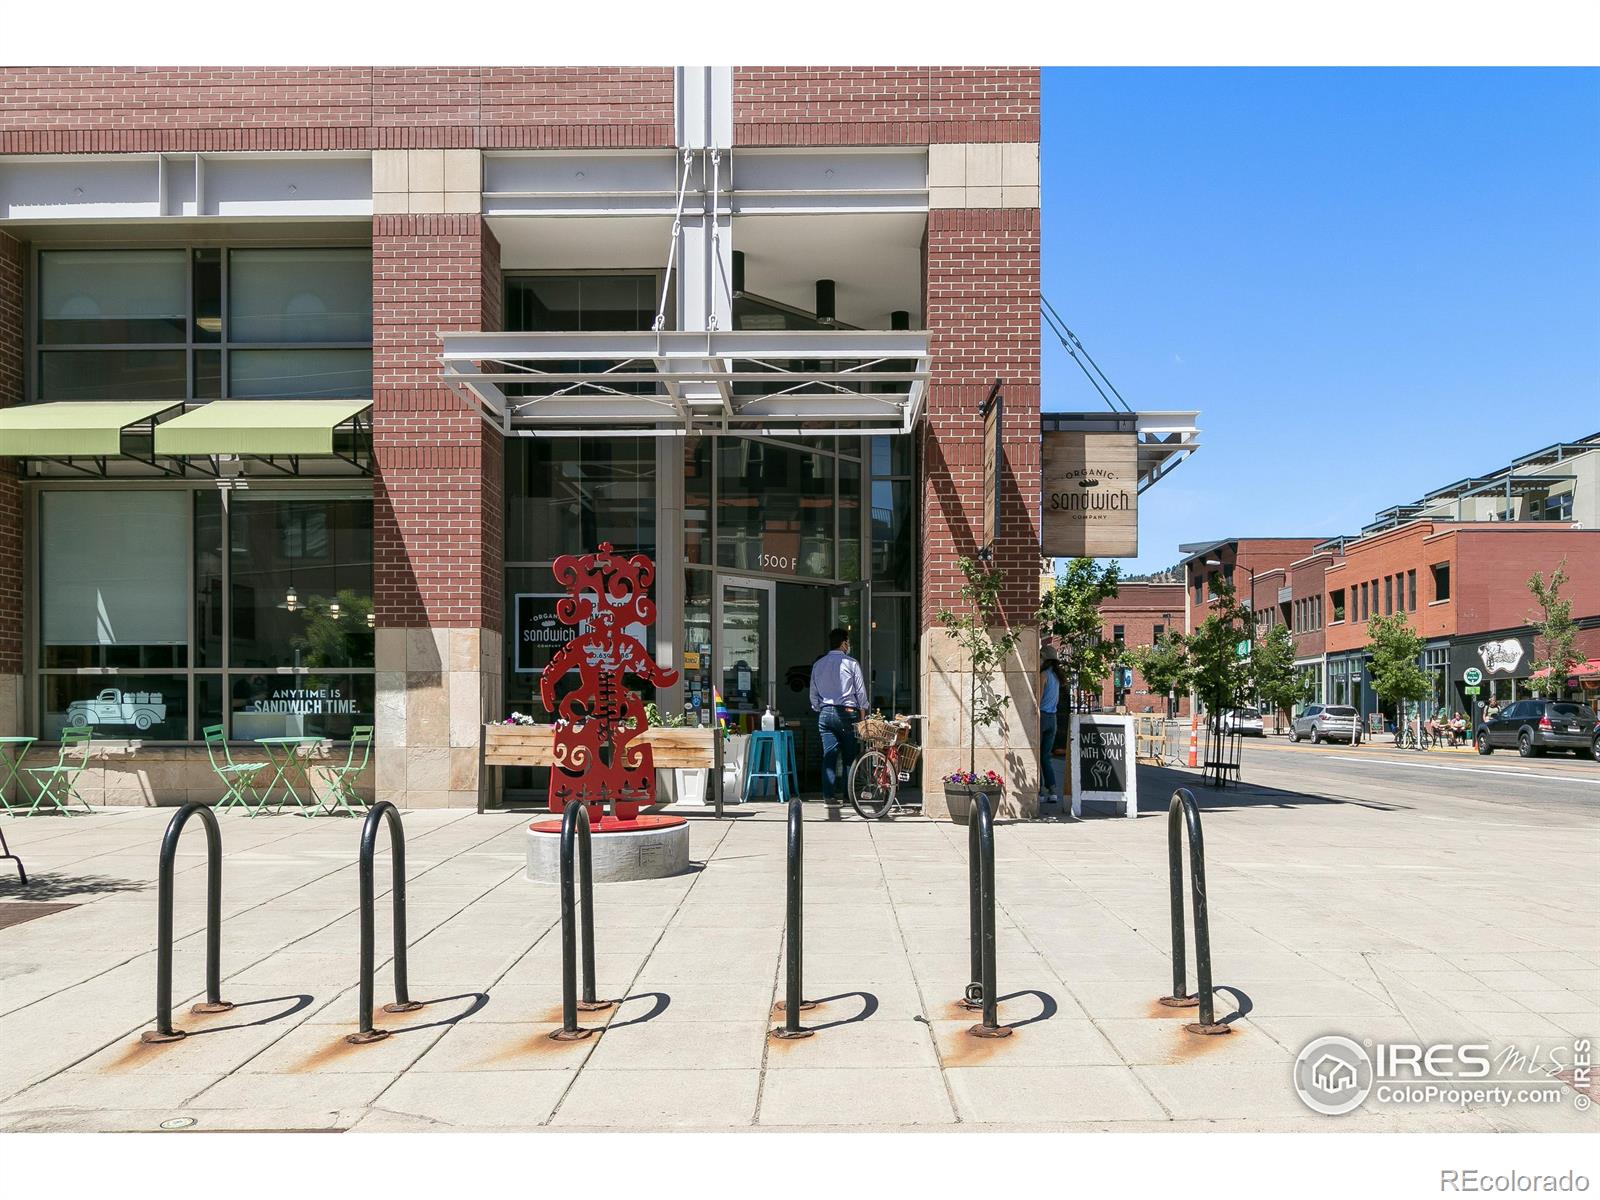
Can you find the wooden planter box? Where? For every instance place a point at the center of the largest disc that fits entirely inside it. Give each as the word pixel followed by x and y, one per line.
pixel 534 746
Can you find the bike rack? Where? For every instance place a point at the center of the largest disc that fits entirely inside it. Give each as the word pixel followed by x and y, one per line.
pixel 1183 802
pixel 794 920
pixel 214 1003
pixel 575 844
pixel 382 813
pixel 5 853
pixel 981 992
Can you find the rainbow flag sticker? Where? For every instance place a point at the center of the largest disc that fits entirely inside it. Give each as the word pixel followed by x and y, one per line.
pixel 719 707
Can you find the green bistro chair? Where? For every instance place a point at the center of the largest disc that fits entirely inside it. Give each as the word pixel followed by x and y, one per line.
pixel 340 781
pixel 239 779
pixel 57 785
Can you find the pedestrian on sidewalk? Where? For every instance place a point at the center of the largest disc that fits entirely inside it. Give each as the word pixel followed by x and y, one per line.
pixel 838 697
pixel 1051 676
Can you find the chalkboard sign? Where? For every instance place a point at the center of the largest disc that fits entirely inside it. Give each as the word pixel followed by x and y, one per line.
pixel 1103 755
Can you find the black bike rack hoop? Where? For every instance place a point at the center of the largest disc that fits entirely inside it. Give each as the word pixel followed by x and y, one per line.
pixel 575 861
pixel 214 1003
pixel 1184 813
pixel 982 991
pixel 382 813
pixel 5 853
pixel 794 931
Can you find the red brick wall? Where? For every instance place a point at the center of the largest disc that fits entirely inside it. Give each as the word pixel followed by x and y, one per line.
pixel 1408 548
pixel 844 106
pixel 1306 581
pixel 983 321
pixel 1493 565
pixel 437 513
pixel 64 110
pixel 1139 608
pixel 10 489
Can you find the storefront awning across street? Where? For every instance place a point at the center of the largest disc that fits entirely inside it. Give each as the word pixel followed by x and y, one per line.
pixel 778 382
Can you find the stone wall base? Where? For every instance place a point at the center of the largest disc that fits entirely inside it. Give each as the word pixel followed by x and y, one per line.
pixel 1011 748
pixel 436 688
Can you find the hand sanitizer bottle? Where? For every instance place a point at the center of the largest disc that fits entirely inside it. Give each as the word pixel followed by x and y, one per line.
pixel 769 719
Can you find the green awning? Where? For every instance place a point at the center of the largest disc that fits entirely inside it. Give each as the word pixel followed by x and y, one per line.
pixel 73 428
pixel 262 428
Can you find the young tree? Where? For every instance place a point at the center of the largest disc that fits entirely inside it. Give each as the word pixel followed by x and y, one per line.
pixel 975 631
pixel 1273 671
pixel 1071 611
pixel 1394 648
pixel 1555 645
pixel 1164 664
pixel 1220 672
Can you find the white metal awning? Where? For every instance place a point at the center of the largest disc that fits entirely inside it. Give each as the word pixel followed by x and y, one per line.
pixel 1162 439
pixel 776 382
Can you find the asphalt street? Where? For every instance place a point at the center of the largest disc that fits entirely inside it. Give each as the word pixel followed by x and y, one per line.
pixel 1556 785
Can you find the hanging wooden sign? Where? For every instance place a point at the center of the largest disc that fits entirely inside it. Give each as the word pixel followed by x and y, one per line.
pixel 1091 495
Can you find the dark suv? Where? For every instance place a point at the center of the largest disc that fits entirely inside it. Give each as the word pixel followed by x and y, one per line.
pixel 1534 726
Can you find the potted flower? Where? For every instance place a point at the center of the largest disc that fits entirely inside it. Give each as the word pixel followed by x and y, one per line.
pixel 961 786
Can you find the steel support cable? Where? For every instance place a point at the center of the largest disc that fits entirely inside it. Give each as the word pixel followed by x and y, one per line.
pixel 672 252
pixel 1075 347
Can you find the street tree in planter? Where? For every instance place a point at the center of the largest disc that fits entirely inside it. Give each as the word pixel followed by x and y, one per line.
pixel 1556 645
pixel 1220 673
pixel 1070 611
pixel 1273 671
pixel 975 631
pixel 1394 648
pixel 1164 665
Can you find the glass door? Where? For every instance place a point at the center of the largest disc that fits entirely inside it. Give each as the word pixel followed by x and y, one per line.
pixel 849 610
pixel 744 635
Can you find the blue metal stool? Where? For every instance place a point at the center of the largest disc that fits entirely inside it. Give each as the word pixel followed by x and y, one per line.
pixel 769 754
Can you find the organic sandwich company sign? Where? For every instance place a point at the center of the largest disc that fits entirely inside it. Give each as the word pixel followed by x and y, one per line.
pixel 1091 495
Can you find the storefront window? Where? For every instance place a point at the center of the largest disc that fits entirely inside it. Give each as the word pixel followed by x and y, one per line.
pixel 567 495
pixel 775 509
pixel 301 584
pixel 112 579
pixel 279 625
pixel 697 500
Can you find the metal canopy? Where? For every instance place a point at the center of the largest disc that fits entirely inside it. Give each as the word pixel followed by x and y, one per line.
pixel 1164 439
pixel 791 382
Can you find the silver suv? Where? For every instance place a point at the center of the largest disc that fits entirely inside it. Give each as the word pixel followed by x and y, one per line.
pixel 1326 722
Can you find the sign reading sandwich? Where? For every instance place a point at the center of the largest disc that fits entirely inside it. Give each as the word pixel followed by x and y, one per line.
pixel 1091 495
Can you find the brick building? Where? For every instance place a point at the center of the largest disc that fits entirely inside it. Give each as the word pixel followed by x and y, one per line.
pixel 1139 614
pixel 310 372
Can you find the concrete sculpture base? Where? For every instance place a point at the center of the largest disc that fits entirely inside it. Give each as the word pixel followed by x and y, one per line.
pixel 650 847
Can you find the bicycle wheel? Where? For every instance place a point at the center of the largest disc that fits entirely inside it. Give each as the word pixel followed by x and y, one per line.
pixel 872 785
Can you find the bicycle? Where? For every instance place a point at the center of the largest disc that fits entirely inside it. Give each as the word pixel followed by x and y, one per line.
pixel 876 776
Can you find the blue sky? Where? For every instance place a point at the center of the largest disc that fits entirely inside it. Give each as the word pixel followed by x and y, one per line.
pixel 1369 282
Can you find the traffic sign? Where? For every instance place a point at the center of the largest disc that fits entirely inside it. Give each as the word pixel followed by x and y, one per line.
pixel 1473 676
pixel 1243 649
pixel 1471 691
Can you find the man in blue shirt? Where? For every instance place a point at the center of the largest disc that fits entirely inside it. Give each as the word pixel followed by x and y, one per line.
pixel 838 697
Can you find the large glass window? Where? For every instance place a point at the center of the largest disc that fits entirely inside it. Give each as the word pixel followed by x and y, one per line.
pixel 775 509
pixel 204 323
pixel 112 572
pixel 278 635
pixel 301 583
pixel 567 495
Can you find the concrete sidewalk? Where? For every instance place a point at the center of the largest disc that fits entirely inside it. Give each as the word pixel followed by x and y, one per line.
pixel 1371 919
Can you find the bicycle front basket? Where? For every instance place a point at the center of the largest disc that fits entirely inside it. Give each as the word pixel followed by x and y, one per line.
pixel 878 733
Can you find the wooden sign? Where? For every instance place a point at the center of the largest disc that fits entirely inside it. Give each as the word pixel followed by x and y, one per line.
pixel 1091 495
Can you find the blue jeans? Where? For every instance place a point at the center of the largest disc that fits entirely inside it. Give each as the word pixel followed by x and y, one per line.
pixel 837 727
pixel 1047 746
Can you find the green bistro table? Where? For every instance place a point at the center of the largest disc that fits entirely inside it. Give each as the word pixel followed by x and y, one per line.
pixel 10 765
pixel 284 755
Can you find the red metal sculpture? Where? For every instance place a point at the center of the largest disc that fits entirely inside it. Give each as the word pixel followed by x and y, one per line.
pixel 597 758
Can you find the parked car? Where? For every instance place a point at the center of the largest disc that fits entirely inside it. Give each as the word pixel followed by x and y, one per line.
pixel 1243 720
pixel 1326 722
pixel 1535 726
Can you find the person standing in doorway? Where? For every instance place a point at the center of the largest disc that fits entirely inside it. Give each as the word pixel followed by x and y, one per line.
pixel 838 697
pixel 1051 677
